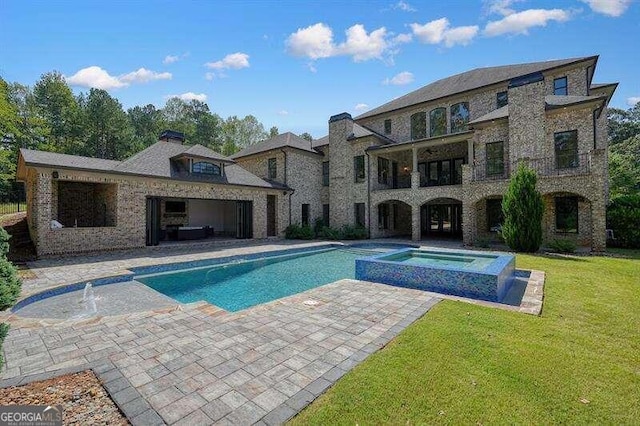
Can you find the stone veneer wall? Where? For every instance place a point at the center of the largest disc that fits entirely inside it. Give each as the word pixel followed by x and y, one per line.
pixel 132 192
pixel 304 174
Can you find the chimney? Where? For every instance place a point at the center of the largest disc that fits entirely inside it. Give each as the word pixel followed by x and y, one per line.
pixel 172 136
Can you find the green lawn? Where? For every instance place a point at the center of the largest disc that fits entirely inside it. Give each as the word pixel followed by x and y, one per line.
pixel 578 363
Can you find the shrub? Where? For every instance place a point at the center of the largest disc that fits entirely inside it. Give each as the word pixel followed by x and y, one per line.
pixel 4 241
pixel 297 232
pixel 354 232
pixel 9 284
pixel 522 208
pixel 623 216
pixel 330 233
pixel 318 225
pixel 4 329
pixel 562 246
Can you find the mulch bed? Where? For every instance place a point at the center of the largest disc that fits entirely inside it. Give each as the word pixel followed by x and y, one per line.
pixel 84 401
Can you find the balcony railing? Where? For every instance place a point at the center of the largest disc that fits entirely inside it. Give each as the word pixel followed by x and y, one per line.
pixel 579 164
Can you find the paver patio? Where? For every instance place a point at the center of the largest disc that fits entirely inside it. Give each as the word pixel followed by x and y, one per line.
pixel 199 364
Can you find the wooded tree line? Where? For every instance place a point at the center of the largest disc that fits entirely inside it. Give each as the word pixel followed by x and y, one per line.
pixel 48 116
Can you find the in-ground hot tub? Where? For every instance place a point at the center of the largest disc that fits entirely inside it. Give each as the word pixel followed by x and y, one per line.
pixel 477 275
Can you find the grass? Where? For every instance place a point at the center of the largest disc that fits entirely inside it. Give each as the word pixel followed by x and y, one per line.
pixel 578 363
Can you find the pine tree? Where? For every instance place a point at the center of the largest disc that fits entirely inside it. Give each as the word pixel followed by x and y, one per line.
pixel 522 207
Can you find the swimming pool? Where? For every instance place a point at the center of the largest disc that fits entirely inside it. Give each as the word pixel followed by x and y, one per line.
pixel 241 284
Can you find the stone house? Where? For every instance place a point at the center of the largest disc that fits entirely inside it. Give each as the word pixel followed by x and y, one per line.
pixel 169 191
pixel 433 163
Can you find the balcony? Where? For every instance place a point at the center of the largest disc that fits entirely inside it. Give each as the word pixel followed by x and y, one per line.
pixel 579 164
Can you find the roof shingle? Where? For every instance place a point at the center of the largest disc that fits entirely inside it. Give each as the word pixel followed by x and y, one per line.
pixel 282 140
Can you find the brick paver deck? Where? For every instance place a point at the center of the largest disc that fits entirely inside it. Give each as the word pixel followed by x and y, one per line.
pixel 198 364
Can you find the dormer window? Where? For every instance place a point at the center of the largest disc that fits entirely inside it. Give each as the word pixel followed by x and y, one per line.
pixel 560 86
pixel 205 168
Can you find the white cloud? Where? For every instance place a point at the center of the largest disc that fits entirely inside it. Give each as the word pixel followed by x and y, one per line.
pixel 402 38
pixel 362 46
pixel 361 107
pixel 501 7
pixel 520 22
pixel 399 79
pixel 143 75
pixel 313 42
pixel 233 61
pixel 404 6
pixel 316 42
pixel 95 77
pixel 98 78
pixel 189 96
pixel 440 31
pixel 608 7
pixel 169 59
pixel 633 100
pixel 283 112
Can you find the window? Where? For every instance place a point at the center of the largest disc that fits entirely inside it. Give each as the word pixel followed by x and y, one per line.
pixel 204 168
pixel 566 148
pixel 418 126
pixel 495 158
pixel 494 215
pixel 383 171
pixel 502 99
pixel 567 214
pixel 325 173
pixel 387 126
pixel 560 86
pixel 358 213
pixel 358 168
pixel 273 168
pixel 383 216
pixel 394 212
pixel 442 172
pixel 305 215
pixel 438 122
pixel 325 214
pixel 459 117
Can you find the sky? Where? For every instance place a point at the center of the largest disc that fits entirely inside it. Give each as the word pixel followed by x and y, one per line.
pixel 293 64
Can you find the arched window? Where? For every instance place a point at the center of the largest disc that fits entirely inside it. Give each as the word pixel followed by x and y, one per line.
pixel 459 117
pixel 204 168
pixel 418 126
pixel 438 121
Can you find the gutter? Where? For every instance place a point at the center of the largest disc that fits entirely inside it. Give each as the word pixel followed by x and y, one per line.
pixel 285 181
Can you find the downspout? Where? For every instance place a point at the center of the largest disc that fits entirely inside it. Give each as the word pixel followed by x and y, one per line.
pixel 368 194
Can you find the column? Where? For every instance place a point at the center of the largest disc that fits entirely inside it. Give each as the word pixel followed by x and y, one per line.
pixel 415 223
pixel 470 151
pixel 415 174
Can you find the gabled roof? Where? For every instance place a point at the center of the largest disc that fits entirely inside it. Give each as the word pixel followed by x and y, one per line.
pixel 283 140
pixel 496 114
pixel 559 101
pixel 154 161
pixel 44 158
pixel 469 80
pixel 595 86
pixel 200 151
pixel 323 141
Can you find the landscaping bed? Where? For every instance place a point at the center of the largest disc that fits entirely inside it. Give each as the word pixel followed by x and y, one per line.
pixel 83 399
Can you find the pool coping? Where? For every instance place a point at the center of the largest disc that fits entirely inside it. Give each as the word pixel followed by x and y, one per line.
pixel 531 302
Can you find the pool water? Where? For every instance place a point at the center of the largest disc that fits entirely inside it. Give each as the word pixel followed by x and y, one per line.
pixel 436 259
pixel 237 286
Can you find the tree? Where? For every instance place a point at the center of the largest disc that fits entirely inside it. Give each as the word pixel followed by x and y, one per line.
pixel 59 108
pixel 307 136
pixel 147 123
pixel 522 207
pixel 240 133
pixel 8 114
pixel 107 129
pixel 624 151
pixel 273 132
